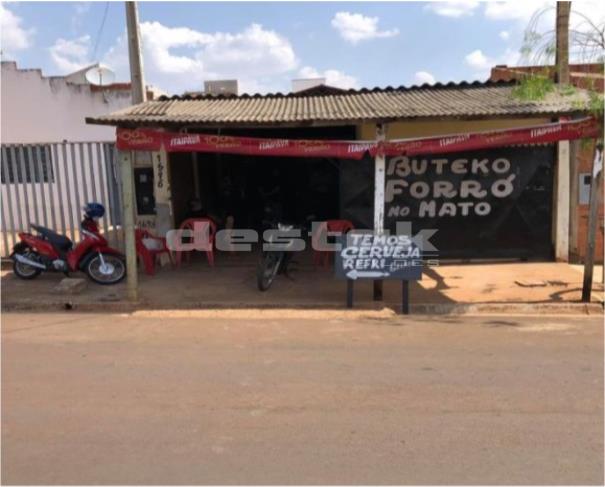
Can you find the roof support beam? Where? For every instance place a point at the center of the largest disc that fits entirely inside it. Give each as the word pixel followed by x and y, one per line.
pixel 162 192
pixel 379 182
pixel 561 210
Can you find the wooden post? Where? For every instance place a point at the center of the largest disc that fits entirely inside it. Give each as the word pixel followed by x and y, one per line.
pixel 379 181
pixel 128 222
pixel 164 216
pixel 349 293
pixel 562 202
pixel 379 178
pixel 137 80
pixel 593 214
pixel 562 42
pixel 162 192
pixel 405 297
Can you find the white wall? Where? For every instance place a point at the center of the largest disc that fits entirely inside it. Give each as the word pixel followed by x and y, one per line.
pixel 39 109
pixel 36 108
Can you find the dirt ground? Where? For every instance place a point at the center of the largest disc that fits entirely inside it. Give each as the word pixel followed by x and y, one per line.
pixel 229 397
pixel 232 283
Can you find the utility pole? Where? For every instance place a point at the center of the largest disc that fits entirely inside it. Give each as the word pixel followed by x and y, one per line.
pixel 562 215
pixel 137 80
pixel 126 158
pixel 562 40
pixel 593 217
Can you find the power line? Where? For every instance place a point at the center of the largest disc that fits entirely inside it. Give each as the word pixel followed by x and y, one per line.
pixel 94 52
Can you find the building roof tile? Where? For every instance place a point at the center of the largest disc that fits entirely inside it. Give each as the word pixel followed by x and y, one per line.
pixel 462 100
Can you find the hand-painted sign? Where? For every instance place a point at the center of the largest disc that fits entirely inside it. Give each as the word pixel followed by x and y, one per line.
pixel 461 185
pixel 370 256
pixel 476 200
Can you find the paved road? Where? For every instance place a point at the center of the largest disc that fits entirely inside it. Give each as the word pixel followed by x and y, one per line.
pixel 191 400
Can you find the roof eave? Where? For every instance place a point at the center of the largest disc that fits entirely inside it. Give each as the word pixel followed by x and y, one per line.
pixel 133 122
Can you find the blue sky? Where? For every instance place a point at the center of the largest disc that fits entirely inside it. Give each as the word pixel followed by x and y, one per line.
pixel 266 45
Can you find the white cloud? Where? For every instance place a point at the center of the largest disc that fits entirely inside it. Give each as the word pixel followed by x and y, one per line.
pixel 454 8
pixel 477 60
pixel 519 11
pixel 255 52
pixel 422 77
pixel 523 12
pixel 179 58
pixel 70 55
pixel 504 35
pixel 580 11
pixel 333 77
pixel 481 64
pixel 13 36
pixel 354 28
pixel 514 10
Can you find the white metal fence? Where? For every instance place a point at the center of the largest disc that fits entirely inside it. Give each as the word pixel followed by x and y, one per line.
pixel 48 184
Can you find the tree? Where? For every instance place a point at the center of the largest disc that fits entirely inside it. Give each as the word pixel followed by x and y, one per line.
pixel 586 36
pixel 585 42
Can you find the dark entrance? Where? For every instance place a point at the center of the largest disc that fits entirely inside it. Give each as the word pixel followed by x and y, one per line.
pixel 243 186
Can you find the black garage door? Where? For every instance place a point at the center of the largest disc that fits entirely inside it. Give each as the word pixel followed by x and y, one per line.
pixel 483 204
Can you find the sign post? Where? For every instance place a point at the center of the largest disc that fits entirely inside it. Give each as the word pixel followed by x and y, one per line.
pixel 405 297
pixel 349 293
pixel 378 257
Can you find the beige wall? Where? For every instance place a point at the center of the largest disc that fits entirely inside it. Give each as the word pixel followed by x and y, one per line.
pixel 402 130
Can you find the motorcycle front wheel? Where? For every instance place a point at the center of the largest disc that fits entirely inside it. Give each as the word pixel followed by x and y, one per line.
pixel 106 269
pixel 267 269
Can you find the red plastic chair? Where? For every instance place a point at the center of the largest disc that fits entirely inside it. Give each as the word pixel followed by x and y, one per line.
pixel 322 257
pixel 149 255
pixel 189 225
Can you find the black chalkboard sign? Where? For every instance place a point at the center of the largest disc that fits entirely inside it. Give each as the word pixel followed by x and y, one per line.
pixel 370 256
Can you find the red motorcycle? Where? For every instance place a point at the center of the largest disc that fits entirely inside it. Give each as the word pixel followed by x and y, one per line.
pixel 50 251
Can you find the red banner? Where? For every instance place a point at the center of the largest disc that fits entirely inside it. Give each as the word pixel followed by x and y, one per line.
pixel 540 134
pixel 139 139
pixel 153 140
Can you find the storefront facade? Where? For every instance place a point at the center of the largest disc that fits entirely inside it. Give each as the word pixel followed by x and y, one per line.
pixel 499 202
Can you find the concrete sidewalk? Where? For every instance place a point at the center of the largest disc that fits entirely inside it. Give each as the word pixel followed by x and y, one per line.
pixel 453 288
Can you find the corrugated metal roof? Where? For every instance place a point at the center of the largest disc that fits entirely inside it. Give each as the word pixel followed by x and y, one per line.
pixel 476 100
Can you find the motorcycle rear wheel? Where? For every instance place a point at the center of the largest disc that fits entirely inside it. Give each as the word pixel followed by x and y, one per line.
pixel 267 270
pixel 25 271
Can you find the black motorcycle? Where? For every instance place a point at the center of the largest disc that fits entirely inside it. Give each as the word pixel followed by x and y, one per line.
pixel 275 261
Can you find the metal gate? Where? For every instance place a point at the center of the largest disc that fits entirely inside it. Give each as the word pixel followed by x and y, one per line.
pixel 48 184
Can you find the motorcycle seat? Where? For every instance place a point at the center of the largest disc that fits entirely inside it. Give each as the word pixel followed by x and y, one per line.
pixel 60 242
